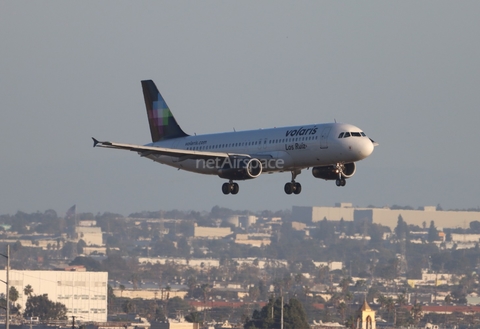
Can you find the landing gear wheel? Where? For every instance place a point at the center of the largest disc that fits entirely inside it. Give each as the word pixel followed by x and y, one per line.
pixel 340 182
pixel 234 188
pixel 288 188
pixel 226 188
pixel 298 188
pixel 293 187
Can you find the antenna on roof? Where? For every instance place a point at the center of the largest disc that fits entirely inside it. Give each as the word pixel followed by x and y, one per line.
pixel 234 129
pixel 335 120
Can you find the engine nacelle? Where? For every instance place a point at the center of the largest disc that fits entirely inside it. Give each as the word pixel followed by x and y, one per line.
pixel 331 172
pixel 241 169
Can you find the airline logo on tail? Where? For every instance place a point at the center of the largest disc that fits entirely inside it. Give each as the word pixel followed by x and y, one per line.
pixel 162 123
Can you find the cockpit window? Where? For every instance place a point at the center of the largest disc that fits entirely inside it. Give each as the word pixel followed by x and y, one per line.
pixel 347 134
pixel 363 134
pixel 341 135
pixel 356 134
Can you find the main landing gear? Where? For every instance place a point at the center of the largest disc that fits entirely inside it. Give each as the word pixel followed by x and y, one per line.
pixel 293 187
pixel 230 187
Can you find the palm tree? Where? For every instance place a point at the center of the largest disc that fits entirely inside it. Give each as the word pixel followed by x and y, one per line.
pixel 28 290
pixel 416 312
pixel 341 308
pixel 401 300
pixel 192 284
pixel 389 306
pixel 205 290
pixel 448 300
pixel 344 284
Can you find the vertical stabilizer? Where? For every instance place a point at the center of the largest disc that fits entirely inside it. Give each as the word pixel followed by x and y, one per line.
pixel 162 123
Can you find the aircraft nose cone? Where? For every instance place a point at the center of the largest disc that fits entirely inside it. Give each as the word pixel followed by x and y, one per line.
pixel 367 148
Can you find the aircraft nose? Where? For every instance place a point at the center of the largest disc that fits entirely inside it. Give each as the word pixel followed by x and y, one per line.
pixel 367 148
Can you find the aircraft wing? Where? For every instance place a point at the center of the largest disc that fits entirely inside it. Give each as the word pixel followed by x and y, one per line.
pixel 179 153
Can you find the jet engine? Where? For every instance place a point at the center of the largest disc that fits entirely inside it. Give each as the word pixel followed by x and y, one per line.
pixel 241 169
pixel 331 172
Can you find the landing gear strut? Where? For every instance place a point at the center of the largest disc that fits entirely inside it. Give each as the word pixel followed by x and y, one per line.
pixel 293 187
pixel 340 181
pixel 230 187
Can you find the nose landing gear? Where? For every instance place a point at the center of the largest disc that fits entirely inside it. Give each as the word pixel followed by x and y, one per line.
pixel 340 181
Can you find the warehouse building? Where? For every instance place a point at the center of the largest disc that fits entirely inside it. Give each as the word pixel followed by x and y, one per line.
pixel 385 216
pixel 83 293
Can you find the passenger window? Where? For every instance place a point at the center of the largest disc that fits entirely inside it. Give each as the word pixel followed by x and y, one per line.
pixel 347 134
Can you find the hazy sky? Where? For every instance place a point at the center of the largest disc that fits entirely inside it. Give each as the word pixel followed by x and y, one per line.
pixel 406 72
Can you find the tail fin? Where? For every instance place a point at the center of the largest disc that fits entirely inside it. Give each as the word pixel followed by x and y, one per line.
pixel 162 123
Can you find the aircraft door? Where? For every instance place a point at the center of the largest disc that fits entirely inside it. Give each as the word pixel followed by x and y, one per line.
pixel 324 137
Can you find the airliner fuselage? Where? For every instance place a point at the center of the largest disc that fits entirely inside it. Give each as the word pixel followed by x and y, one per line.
pixel 298 146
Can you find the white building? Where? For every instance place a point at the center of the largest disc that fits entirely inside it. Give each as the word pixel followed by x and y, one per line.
pixel 192 262
pixel 385 216
pixel 210 232
pixel 83 293
pixel 92 235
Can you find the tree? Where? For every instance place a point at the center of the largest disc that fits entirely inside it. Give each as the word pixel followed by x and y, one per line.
pixel 294 316
pixel 176 304
pixel 432 232
pixel 193 317
pixel 416 313
pixel 44 308
pixel 128 306
pixel 111 298
pixel 205 290
pixel 28 290
pixel 13 294
pixel 69 249
pixel 89 263
pixel 80 246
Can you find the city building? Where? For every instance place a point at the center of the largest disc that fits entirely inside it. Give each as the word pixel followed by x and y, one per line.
pixel 92 235
pixel 210 232
pixel 83 293
pixel 385 216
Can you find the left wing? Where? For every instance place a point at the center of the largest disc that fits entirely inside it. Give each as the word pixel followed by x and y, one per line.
pixel 178 153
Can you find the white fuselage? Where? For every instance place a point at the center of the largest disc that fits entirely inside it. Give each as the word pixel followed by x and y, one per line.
pixel 296 147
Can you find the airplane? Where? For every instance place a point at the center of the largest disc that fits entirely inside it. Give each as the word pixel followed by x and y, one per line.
pixel 330 149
